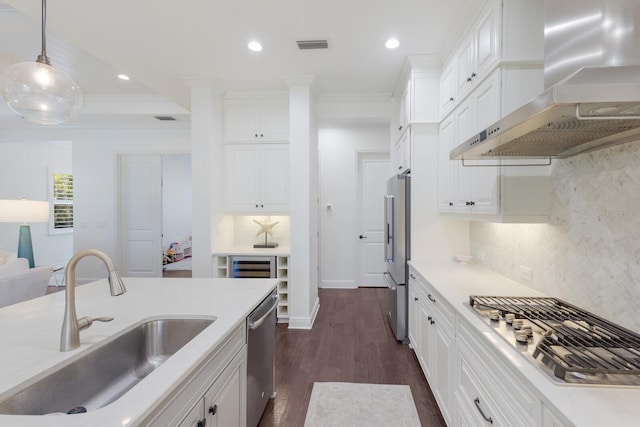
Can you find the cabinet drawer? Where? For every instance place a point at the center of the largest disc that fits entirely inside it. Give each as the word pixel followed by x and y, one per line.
pixel 473 395
pixel 444 312
pixel 512 397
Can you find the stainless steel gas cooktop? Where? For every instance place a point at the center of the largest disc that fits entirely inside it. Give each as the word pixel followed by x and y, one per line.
pixel 570 344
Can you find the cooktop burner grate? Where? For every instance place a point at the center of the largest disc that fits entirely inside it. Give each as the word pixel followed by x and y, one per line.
pixel 575 341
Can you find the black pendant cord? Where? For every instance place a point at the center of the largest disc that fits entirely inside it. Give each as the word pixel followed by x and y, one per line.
pixel 42 58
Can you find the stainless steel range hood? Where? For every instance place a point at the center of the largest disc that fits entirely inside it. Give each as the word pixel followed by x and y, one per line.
pixel 596 45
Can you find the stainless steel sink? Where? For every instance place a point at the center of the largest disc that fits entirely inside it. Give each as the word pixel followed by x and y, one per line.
pixel 105 372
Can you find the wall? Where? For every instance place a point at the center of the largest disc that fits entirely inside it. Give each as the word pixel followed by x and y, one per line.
pixel 176 198
pixel 589 254
pixel 24 173
pixel 338 148
pixel 245 230
pixel 95 167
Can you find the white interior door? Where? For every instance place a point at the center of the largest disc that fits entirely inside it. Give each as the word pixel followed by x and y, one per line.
pixel 373 173
pixel 141 215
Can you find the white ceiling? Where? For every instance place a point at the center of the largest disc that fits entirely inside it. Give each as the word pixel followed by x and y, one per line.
pixel 162 44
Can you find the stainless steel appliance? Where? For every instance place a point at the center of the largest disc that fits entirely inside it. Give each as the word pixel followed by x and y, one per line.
pixel 252 266
pixel 396 251
pixel 261 345
pixel 571 345
pixel 592 82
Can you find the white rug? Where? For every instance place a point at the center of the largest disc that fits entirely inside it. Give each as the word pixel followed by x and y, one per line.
pixel 355 405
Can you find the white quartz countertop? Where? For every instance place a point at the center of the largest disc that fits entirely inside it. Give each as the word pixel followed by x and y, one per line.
pixel 584 406
pixel 30 334
pixel 250 250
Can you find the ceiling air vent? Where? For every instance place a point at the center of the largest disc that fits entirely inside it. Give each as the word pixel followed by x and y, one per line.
pixel 165 118
pixel 312 44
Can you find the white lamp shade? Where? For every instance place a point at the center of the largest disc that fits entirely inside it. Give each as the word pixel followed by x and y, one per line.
pixel 40 93
pixel 24 211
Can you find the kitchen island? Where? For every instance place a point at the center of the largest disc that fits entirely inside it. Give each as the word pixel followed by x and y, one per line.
pixel 483 369
pixel 30 334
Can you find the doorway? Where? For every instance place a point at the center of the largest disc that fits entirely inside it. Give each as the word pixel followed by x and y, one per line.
pixel 155 215
pixel 373 172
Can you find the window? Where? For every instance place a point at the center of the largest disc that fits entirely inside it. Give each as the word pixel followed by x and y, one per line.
pixel 61 203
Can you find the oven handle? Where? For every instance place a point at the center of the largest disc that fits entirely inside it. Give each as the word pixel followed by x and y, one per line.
pixel 255 324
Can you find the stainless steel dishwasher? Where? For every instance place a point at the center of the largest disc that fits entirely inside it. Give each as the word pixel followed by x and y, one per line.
pixel 261 346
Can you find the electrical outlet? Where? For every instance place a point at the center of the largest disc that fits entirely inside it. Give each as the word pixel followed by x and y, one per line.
pixel 526 273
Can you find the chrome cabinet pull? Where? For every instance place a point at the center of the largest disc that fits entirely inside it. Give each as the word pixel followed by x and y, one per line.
pixel 487 419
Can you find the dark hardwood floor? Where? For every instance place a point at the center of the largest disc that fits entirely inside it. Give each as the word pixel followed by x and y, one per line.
pixel 351 341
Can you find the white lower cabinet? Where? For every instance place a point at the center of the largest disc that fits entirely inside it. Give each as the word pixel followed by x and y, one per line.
pixel 214 395
pixel 222 405
pixel 489 392
pixel 433 340
pixel 469 382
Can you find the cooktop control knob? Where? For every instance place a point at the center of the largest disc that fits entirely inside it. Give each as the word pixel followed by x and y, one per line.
pixel 509 317
pixel 517 324
pixel 494 315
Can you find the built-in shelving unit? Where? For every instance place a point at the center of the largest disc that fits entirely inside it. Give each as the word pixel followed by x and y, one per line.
pixel 283 288
pixel 222 269
pixel 222 266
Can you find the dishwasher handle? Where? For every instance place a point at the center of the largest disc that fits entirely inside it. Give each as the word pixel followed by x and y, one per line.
pixel 255 324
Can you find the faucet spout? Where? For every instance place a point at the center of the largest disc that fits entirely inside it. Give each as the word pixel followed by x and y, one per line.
pixel 70 335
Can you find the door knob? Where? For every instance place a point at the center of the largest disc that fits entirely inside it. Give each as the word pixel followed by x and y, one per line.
pixel 362 237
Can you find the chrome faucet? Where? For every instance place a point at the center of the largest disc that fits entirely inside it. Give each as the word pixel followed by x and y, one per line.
pixel 71 326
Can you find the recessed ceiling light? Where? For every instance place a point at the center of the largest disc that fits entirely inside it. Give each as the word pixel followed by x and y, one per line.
pixel 123 77
pixel 254 46
pixel 392 43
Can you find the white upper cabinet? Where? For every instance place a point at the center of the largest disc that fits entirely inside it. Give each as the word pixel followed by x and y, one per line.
pixel 251 124
pixel 256 149
pixel 447 89
pixel 495 69
pixel 505 32
pixel 257 178
pixel 416 103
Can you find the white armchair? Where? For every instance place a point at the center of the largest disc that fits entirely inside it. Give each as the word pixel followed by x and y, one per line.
pixel 19 283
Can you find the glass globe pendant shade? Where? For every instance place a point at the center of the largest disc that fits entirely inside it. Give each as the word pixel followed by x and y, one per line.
pixel 40 93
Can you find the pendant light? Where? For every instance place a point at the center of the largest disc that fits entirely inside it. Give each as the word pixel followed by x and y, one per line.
pixel 38 92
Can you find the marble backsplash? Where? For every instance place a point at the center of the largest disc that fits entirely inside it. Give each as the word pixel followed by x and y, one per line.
pixel 589 254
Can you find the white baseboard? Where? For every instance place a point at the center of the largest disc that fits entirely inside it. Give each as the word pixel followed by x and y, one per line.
pixel 305 322
pixel 338 284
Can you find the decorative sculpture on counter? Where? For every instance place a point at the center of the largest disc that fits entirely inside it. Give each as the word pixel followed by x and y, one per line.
pixel 266 227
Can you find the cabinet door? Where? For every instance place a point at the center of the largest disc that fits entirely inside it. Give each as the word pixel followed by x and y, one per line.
pixel 274 179
pixel 486 40
pixel 242 172
pixel 414 312
pixel 195 418
pixel 486 191
pixel 274 125
pixel 446 167
pixel 241 124
pixel 444 353
pixel 465 125
pixel 402 149
pixel 426 340
pixel 225 401
pixel 464 60
pixel 447 89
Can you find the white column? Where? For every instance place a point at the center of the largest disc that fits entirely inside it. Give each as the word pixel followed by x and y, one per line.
pixel 207 172
pixel 303 149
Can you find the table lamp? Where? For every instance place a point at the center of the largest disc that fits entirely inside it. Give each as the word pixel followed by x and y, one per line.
pixel 24 211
